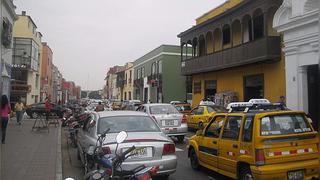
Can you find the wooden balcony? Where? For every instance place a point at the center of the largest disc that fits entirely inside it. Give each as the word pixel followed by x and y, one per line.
pixel 265 49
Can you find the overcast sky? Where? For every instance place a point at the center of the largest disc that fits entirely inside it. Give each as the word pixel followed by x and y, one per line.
pixel 90 36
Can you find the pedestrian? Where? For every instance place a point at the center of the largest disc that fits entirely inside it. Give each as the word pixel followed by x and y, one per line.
pixel 48 108
pixel 99 107
pixel 19 107
pixel 5 111
pixel 282 101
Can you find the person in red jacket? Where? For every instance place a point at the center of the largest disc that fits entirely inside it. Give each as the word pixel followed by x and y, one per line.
pixel 48 108
pixel 5 111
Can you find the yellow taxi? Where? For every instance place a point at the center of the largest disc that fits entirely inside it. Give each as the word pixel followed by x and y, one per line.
pixel 261 142
pixel 201 115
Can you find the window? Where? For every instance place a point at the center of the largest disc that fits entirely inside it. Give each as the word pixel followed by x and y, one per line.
pixel 199 111
pixel 37 80
pixel 214 128
pixel 163 109
pixel 247 129
pixel 226 35
pixel 153 68
pixel 284 125
pixel 159 67
pixel 216 109
pixel 128 124
pixel 139 74
pixel 142 72
pixel 129 95
pixel 232 128
pixel 197 87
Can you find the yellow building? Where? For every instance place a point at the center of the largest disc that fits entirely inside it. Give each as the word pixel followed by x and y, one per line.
pixel 128 82
pixel 27 55
pixel 236 54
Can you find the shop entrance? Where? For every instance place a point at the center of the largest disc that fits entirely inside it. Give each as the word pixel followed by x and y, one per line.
pixel 210 88
pixel 253 87
pixel 313 95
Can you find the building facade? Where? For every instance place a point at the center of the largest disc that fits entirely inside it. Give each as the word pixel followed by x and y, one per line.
pixel 236 54
pixel 128 82
pixel 57 85
pixel 111 89
pixel 298 21
pixel 156 76
pixel 27 55
pixel 8 16
pixel 46 77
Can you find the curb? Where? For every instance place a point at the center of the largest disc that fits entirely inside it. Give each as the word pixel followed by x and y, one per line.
pixel 59 156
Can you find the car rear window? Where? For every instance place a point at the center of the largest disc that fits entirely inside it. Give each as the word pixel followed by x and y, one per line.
pixel 183 108
pixel 163 109
pixel 284 125
pixel 128 124
pixel 216 109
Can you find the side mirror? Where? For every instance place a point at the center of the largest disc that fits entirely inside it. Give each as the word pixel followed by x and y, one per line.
pixel 121 137
pixel 199 132
pixel 200 126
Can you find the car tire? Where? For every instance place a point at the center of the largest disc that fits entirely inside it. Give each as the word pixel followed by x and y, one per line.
pixel 245 173
pixel 194 160
pixel 180 139
pixel 78 155
pixel 34 115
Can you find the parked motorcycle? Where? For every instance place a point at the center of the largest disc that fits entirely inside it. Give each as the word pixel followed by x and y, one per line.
pixel 108 166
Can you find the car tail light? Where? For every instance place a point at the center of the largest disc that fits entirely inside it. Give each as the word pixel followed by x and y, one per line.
pixel 184 119
pixel 168 149
pixel 260 159
pixel 106 150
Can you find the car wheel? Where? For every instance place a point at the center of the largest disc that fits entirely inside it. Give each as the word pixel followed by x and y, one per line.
pixel 194 160
pixel 34 115
pixel 200 125
pixel 78 154
pixel 180 139
pixel 245 173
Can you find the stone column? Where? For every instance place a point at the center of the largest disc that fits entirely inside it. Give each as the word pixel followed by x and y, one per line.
pixel 303 89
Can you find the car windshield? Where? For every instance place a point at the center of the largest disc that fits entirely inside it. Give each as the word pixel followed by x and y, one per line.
pixel 216 109
pixel 128 124
pixel 163 109
pixel 284 125
pixel 183 108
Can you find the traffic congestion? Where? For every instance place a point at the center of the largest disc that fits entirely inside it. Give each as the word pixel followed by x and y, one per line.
pixel 245 140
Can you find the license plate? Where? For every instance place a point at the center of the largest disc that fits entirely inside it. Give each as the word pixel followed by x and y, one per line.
pixel 295 175
pixel 170 123
pixel 143 152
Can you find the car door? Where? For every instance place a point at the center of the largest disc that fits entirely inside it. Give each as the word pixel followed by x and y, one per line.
pixel 209 142
pixel 198 115
pixel 229 146
pixel 191 118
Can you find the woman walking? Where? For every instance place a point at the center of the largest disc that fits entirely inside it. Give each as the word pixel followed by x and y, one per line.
pixel 5 111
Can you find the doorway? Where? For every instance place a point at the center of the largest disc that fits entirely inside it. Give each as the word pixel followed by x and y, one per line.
pixel 210 88
pixel 313 95
pixel 253 87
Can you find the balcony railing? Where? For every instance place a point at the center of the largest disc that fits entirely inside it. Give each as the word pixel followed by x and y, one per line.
pixel 138 82
pixel 264 49
pixel 24 63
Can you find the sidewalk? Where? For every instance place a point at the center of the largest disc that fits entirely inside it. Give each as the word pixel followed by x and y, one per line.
pixel 30 154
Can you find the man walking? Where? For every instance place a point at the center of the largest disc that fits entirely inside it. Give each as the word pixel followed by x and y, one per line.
pixel 48 108
pixel 19 107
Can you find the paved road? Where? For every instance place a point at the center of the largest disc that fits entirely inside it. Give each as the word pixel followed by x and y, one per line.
pixel 72 167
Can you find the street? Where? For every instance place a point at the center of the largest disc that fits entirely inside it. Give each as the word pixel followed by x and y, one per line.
pixel 72 167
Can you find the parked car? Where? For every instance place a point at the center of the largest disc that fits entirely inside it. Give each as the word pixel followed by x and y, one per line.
pixel 261 143
pixel 168 117
pixel 201 115
pixel 34 110
pixel 116 105
pixel 153 147
pixel 184 108
pixel 133 105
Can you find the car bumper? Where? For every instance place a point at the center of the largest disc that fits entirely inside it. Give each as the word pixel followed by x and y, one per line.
pixel 175 131
pixel 167 165
pixel 280 171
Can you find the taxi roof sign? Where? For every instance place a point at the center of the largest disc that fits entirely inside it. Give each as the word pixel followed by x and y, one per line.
pixel 259 101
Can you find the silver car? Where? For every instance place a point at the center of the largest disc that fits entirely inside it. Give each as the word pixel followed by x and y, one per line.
pixel 153 147
pixel 171 121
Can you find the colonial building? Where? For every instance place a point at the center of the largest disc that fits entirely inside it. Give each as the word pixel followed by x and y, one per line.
pixel 57 84
pixel 298 21
pixel 128 82
pixel 8 16
pixel 27 55
pixel 46 79
pixel 156 78
pixel 236 54
pixel 111 89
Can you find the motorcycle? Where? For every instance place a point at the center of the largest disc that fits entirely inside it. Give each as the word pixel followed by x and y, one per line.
pixel 108 166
